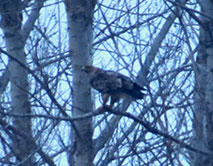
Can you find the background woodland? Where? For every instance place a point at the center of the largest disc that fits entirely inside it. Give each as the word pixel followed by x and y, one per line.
pixel 48 111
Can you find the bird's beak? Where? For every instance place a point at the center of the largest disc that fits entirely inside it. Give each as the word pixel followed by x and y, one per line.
pixel 83 68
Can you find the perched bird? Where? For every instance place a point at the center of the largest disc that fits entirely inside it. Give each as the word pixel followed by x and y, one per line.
pixel 112 85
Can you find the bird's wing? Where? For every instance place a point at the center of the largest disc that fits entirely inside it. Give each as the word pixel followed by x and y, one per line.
pixel 106 82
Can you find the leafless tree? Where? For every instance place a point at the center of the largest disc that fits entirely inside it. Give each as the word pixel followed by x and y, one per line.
pixel 51 116
pixel 80 21
pixel 203 108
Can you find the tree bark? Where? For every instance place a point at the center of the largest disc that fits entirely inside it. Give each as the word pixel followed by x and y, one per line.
pixel 15 39
pixel 11 22
pixel 203 110
pixel 80 19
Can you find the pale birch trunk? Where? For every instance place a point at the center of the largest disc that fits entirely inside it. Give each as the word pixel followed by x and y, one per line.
pixel 203 113
pixel 11 25
pixel 80 19
pixel 15 40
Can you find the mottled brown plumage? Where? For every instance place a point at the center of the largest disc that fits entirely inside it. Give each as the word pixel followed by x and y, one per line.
pixel 112 84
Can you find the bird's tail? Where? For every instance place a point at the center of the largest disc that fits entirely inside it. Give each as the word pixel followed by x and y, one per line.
pixel 137 94
pixel 137 91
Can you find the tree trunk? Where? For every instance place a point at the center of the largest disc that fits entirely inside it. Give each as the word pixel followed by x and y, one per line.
pixel 11 21
pixel 80 19
pixel 203 114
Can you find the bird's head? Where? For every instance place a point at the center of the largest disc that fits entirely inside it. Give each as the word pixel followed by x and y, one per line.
pixel 88 69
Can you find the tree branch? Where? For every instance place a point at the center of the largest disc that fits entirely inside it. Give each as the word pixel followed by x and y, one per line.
pixel 29 140
pixel 30 23
pixel 157 132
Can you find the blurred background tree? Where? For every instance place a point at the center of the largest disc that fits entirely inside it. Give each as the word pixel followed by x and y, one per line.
pixel 48 111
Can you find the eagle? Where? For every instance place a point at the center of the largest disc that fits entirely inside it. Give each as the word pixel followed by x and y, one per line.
pixel 112 85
